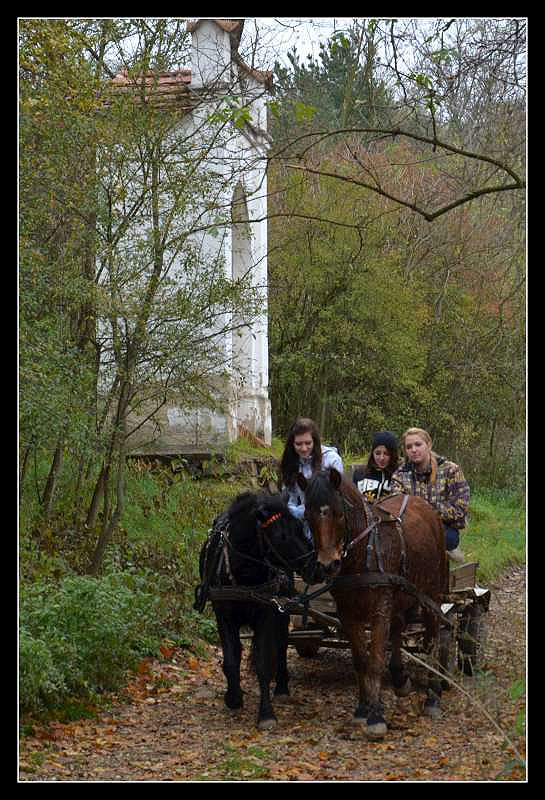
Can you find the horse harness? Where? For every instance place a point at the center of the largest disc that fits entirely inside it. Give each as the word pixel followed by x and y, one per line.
pixel 378 577
pixel 372 531
pixel 217 557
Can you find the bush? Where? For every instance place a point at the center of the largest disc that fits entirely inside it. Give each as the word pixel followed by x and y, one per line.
pixel 82 636
pixel 40 682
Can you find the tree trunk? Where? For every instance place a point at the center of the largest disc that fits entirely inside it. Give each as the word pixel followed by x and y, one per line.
pixel 119 445
pixel 54 472
pixel 95 502
pixel 23 473
pixel 109 526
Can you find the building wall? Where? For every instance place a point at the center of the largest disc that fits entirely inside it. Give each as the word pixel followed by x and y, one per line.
pixel 242 246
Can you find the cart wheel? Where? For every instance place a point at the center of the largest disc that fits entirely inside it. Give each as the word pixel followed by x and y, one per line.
pixel 472 640
pixel 447 652
pixel 307 649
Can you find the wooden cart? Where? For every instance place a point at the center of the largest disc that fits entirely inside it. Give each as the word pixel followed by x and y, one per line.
pixel 461 645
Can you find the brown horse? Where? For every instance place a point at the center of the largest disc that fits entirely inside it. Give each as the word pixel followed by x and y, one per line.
pixel 380 568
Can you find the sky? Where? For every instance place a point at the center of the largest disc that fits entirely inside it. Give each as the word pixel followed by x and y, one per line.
pixel 281 34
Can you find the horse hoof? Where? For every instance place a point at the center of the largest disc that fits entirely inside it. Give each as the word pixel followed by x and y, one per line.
pixel 406 689
pixel 360 715
pixel 266 724
pixel 377 730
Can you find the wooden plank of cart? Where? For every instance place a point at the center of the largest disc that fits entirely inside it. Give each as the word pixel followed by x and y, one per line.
pixel 461 646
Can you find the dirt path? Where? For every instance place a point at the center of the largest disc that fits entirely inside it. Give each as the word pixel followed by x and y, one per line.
pixel 176 727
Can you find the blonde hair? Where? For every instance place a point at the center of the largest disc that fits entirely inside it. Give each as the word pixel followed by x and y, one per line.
pixel 427 438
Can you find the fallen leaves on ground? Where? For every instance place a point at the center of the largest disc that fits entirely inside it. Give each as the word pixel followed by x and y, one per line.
pixel 172 724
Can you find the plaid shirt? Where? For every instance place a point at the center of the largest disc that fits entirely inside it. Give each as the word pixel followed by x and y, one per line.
pixel 449 494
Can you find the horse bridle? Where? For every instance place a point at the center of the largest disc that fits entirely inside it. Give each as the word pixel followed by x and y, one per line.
pixel 265 545
pixel 372 529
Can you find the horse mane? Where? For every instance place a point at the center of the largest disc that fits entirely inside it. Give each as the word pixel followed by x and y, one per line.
pixel 243 510
pixel 350 491
pixel 243 505
pixel 320 491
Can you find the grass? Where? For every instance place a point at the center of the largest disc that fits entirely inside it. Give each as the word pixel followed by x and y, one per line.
pixel 496 533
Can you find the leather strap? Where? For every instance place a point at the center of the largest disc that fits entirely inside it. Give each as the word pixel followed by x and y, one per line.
pixel 351 582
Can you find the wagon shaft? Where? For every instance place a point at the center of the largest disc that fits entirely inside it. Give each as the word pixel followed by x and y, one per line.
pixel 318 625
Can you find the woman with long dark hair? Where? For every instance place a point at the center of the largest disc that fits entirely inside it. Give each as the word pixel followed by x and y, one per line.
pixel 375 479
pixel 305 453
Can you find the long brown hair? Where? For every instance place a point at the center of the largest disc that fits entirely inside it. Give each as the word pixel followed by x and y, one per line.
pixel 427 438
pixel 289 463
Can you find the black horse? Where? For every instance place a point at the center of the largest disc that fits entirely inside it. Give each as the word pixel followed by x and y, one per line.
pixel 248 560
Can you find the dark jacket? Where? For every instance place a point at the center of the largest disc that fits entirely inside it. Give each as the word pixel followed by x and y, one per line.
pixel 373 483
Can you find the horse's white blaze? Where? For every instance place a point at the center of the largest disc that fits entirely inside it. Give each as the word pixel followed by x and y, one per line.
pixel 328 551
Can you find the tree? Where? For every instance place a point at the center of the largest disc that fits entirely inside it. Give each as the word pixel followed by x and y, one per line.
pixel 425 80
pixel 150 305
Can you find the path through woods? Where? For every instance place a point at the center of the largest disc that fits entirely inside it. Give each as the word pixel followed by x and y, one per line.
pixel 176 727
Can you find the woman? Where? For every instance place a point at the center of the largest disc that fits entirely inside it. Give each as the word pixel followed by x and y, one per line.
pixel 375 480
pixel 440 482
pixel 304 453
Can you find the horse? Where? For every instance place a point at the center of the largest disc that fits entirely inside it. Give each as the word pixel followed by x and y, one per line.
pixel 383 560
pixel 246 563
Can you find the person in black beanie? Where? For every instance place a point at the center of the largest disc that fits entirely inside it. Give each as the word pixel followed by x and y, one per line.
pixel 375 480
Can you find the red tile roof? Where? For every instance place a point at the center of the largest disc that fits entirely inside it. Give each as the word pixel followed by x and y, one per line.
pixel 164 87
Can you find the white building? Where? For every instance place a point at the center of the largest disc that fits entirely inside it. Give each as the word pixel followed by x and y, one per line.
pixel 218 79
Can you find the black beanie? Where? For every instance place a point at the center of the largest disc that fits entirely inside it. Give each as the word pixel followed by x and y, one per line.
pixel 385 438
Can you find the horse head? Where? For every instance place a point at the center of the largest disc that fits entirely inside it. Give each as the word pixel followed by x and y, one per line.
pixel 325 512
pixel 283 535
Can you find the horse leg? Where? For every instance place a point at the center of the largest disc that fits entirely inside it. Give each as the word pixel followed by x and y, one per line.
pixel 433 694
pixel 376 662
pixel 356 635
pixel 282 676
pixel 265 656
pixel 232 652
pixel 400 680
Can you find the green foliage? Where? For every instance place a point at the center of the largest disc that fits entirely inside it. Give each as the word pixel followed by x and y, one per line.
pixel 344 350
pixel 81 636
pixel 121 308
pixel 342 87
pixel 41 681
pixel 496 532
pixel 378 323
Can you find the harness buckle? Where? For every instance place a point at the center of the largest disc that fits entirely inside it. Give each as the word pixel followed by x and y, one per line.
pixel 279 606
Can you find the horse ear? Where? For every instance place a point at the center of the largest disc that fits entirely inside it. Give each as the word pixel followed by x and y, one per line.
pixel 302 481
pixel 335 477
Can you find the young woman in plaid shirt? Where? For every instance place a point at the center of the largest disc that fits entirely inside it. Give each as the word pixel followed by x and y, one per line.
pixel 437 480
